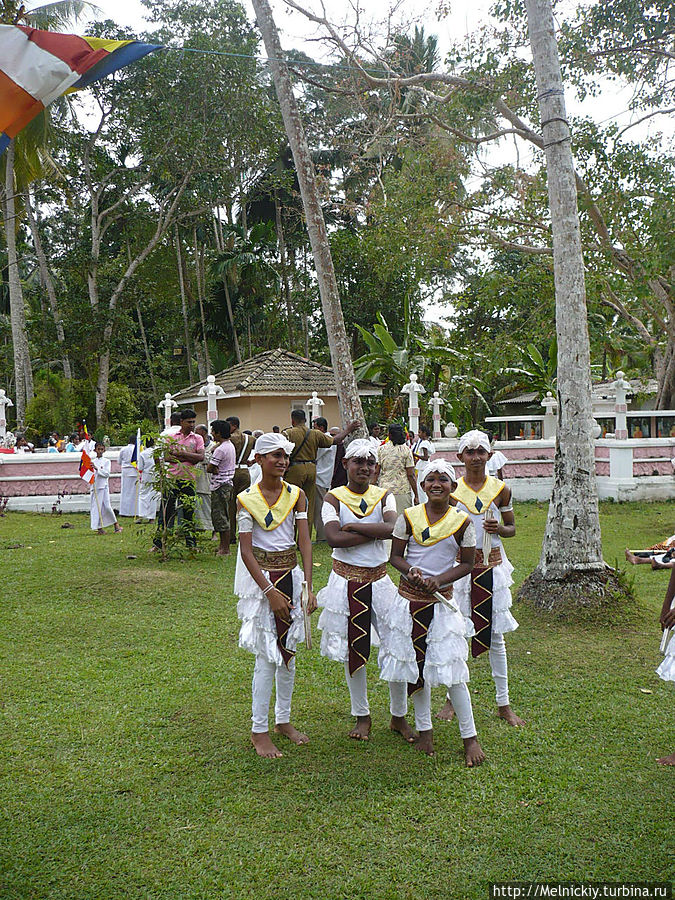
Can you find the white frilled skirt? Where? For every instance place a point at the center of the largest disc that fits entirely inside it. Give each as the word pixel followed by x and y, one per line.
pixel 334 617
pixel 502 620
pixel 447 647
pixel 258 632
pixel 667 668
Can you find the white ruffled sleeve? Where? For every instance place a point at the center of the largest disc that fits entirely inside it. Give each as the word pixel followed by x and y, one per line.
pixel 469 536
pixel 244 521
pixel 329 513
pixel 401 528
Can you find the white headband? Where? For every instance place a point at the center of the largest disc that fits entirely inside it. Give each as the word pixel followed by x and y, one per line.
pixel 359 448
pixel 268 443
pixel 473 440
pixel 439 465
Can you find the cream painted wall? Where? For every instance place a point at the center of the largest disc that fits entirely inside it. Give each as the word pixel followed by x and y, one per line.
pixel 262 412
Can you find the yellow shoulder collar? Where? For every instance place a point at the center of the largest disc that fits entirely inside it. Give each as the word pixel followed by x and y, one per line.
pixel 427 534
pixel 269 517
pixel 361 505
pixel 478 501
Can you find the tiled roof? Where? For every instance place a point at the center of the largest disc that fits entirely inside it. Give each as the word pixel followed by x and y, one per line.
pixel 275 371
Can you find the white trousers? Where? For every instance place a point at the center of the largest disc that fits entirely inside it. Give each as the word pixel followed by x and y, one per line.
pixel 265 674
pixel 458 693
pixel 358 691
pixel 500 669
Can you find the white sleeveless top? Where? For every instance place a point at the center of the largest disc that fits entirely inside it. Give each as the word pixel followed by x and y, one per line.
pixel 477 519
pixel 434 559
pixel 370 555
pixel 280 538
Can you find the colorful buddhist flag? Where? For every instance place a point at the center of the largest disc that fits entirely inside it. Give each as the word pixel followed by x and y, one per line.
pixel 37 66
pixel 87 470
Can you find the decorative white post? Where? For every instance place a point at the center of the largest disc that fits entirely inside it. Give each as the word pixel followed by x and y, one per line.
pixel 621 454
pixel 4 403
pixel 436 403
pixel 550 405
pixel 314 403
pixel 167 404
pixel 413 389
pixel 620 407
pixel 211 391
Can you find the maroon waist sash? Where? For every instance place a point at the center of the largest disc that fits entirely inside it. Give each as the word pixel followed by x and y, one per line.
pixel 422 612
pixel 481 609
pixel 283 582
pixel 360 600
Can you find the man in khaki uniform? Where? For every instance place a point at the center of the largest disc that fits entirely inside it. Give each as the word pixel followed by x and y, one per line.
pixel 302 468
pixel 243 444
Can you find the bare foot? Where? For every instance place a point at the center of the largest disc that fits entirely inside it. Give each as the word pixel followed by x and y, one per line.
pixel 447 713
pixel 506 713
pixel 222 552
pixel 425 742
pixel 263 745
pixel 473 752
pixel 118 529
pixel 292 733
pixel 100 531
pixel 399 723
pixel 361 731
pixel 631 557
pixel 667 760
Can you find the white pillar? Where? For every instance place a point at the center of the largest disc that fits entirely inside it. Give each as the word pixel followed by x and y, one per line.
pixel 4 403
pixel 413 389
pixel 550 405
pixel 314 404
pixel 436 403
pixel 621 386
pixel 167 404
pixel 211 391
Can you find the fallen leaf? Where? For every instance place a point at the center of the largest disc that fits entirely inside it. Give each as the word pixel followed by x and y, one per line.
pixel 52 542
pixel 317 565
pixel 131 556
pixel 645 691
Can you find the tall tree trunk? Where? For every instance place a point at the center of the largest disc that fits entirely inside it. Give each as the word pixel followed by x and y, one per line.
pixel 230 316
pixel 47 281
pixel 186 326
pixel 572 537
pixel 284 269
pixel 23 374
pixel 201 289
pixel 148 358
pixel 345 379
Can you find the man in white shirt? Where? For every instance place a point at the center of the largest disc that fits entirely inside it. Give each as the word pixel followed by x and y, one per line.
pixel 325 461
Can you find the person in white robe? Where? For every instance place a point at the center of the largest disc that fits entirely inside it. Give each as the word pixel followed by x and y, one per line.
pixel 130 486
pixel 148 496
pixel 102 513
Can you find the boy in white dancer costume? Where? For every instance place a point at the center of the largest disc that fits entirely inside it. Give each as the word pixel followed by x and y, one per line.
pixel 268 582
pixel 667 668
pixel 485 594
pixel 358 518
pixel 102 513
pixel 433 546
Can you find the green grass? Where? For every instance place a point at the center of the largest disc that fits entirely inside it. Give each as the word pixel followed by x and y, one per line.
pixel 126 771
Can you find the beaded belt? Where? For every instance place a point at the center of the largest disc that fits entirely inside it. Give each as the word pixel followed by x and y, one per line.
pixel 494 559
pixel 363 574
pixel 410 592
pixel 276 560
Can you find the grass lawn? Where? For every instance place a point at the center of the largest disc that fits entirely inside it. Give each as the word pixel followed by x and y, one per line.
pixel 126 769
